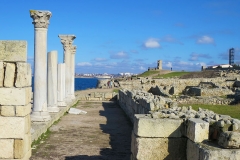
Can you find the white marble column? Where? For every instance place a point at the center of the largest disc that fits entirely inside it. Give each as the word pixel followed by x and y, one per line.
pixel 40 21
pixel 67 41
pixel 61 85
pixel 74 47
pixel 52 82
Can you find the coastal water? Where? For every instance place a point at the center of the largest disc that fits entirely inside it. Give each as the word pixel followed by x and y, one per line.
pixel 85 83
pixel 82 83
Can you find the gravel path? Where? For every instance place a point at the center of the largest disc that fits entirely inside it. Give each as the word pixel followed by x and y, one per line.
pixel 103 133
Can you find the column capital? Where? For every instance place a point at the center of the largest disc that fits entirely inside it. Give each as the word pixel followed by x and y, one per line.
pixel 40 18
pixel 74 48
pixel 67 41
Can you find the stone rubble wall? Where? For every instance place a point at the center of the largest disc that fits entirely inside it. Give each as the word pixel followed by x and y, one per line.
pixel 197 91
pixel 176 86
pixel 15 97
pixel 97 96
pixel 169 131
pixel 140 102
pixel 204 100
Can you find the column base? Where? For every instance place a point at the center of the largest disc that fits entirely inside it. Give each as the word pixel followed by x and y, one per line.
pixel 72 96
pixel 37 116
pixel 69 98
pixel 53 109
pixel 62 104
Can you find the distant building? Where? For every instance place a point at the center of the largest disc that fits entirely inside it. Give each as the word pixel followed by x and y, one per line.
pixel 159 66
pixel 220 66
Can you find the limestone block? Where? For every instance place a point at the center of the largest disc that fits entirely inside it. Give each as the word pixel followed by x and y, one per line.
pixel 192 150
pixel 158 148
pixel 1 74
pixel 8 111
pixel 27 123
pixel 12 127
pixel 97 94
pixel 24 75
pixel 197 130
pixel 229 139
pixel 22 111
pixel 15 96
pixel 108 95
pixel 13 51
pixel 22 146
pixel 207 152
pixel 6 148
pixel 145 126
pixel 9 75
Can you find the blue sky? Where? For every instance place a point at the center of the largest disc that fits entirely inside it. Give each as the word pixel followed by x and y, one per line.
pixel 116 36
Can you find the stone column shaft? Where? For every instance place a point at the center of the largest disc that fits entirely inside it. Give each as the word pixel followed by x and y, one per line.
pixel 73 70
pixel 52 82
pixel 67 41
pixel 40 21
pixel 61 85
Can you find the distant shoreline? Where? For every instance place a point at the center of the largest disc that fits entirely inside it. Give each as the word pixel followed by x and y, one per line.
pixel 84 77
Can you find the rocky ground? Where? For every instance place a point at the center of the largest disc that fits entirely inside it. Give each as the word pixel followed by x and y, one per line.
pixel 103 133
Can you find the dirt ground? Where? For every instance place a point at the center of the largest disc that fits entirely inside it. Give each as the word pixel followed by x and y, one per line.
pixel 103 133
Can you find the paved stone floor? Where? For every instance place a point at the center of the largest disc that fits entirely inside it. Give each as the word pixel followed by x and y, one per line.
pixel 103 133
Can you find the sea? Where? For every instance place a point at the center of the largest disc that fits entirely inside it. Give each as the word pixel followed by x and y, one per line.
pixel 85 83
pixel 81 83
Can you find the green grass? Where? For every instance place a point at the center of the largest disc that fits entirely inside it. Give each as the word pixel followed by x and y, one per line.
pixel 43 137
pixel 231 110
pixel 148 73
pixel 172 74
pixel 116 90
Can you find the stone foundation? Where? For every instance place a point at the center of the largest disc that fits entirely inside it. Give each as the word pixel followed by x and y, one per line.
pixel 166 131
pixel 97 96
pixel 15 107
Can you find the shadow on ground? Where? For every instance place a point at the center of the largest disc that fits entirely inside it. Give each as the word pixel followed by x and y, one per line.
pixel 119 128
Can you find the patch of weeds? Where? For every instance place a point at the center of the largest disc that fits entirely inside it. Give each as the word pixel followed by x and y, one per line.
pixel 116 90
pixel 43 137
pixel 56 122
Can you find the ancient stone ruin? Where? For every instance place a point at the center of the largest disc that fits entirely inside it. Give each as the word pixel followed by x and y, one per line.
pixel 22 121
pixel 162 130
pixel 15 106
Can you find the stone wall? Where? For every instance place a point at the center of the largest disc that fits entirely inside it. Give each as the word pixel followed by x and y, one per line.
pixel 97 96
pixel 175 86
pixel 15 106
pixel 197 91
pixel 166 131
pixel 140 102
pixel 213 100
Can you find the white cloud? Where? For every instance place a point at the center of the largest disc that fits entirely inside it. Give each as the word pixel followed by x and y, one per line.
pixel 83 64
pixel 169 64
pixel 152 43
pixel 142 68
pixel 205 40
pixel 119 55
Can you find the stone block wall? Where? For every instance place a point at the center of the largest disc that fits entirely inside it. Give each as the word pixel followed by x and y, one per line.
pixel 175 86
pixel 198 91
pixel 15 97
pixel 97 96
pixel 170 131
pixel 141 102
pixel 205 100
